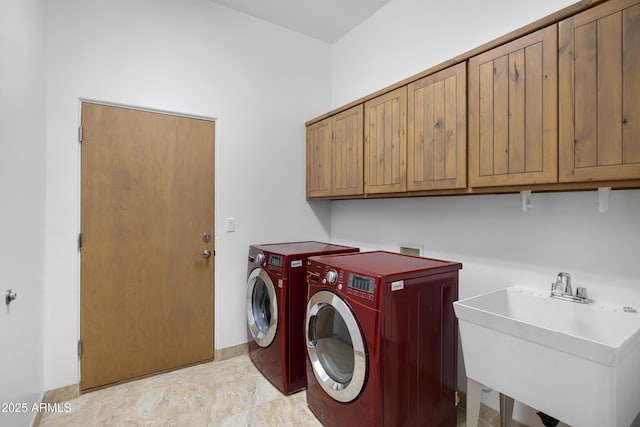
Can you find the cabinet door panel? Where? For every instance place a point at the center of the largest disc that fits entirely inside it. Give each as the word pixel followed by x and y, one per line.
pixel 516 114
pixel 586 78
pixel 385 143
pixel 513 112
pixel 437 131
pixel 630 86
pixel 319 159
pixel 484 115
pixel 455 127
pixel 500 86
pixel 610 89
pixel 348 152
pixel 599 93
pixel 533 138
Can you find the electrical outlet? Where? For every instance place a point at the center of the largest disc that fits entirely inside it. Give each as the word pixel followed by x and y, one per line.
pixel 411 249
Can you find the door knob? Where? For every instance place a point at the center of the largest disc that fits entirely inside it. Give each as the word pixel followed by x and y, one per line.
pixel 10 296
pixel 205 254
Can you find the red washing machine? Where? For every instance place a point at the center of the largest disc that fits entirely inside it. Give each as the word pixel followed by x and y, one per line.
pixel 382 340
pixel 276 303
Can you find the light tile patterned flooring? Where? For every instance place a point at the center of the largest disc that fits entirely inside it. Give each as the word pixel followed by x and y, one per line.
pixel 226 393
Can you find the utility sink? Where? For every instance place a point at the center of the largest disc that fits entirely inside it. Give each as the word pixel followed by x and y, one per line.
pixel 579 363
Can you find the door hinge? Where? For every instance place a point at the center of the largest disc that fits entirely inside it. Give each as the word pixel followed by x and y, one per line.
pixel 79 349
pixel 456 398
pixel 79 241
pixel 80 134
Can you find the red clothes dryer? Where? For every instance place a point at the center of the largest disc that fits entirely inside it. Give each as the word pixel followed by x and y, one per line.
pixel 381 339
pixel 276 302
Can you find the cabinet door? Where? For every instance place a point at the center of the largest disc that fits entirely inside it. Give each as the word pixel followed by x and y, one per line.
pixel 347 177
pixel 600 93
pixel 319 159
pixel 437 131
pixel 513 135
pixel 385 143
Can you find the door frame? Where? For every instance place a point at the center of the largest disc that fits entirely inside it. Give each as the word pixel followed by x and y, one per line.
pixel 82 100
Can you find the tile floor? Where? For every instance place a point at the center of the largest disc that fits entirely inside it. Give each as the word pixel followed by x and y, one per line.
pixel 226 393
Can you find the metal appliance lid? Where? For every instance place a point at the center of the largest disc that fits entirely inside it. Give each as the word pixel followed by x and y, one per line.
pixel 306 248
pixel 388 264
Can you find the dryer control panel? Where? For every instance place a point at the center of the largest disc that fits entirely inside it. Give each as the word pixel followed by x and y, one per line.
pixel 364 284
pixel 357 286
pixel 274 262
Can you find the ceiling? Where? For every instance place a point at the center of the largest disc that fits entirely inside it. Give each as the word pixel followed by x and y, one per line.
pixel 325 20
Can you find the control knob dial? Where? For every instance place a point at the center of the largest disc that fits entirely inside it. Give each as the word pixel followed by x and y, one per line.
pixel 260 258
pixel 332 277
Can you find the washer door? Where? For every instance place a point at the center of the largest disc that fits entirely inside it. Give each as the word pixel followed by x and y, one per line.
pixel 335 346
pixel 262 307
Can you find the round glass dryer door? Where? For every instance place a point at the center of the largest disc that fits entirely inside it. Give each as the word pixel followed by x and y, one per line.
pixel 335 346
pixel 262 307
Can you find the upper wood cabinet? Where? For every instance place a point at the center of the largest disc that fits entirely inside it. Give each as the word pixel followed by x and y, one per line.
pixel 437 131
pixel 335 155
pixel 600 93
pixel 319 159
pixel 348 169
pixel 513 112
pixel 385 143
pixel 557 108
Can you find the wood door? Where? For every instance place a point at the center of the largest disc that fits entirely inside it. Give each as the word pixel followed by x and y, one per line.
pixel 385 143
pixel 319 141
pixel 147 198
pixel 347 147
pixel 600 93
pixel 513 138
pixel 437 131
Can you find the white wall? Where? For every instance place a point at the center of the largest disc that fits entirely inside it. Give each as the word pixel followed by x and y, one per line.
pixel 191 56
pixel 22 92
pixel 498 243
pixel 406 37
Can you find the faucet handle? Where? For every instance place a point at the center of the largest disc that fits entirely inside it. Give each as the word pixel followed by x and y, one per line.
pixel 581 292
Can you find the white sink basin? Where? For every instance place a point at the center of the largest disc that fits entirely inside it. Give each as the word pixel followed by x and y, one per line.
pixel 579 363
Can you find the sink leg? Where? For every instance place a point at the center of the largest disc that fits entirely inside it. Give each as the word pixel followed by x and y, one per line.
pixel 474 396
pixel 506 410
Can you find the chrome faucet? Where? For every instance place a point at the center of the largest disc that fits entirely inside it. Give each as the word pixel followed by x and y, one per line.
pixel 562 289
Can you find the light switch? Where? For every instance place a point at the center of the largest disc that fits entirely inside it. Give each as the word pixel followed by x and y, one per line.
pixel 230 224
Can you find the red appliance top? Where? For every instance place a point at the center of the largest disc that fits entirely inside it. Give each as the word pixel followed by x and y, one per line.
pixel 388 264
pixel 307 248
